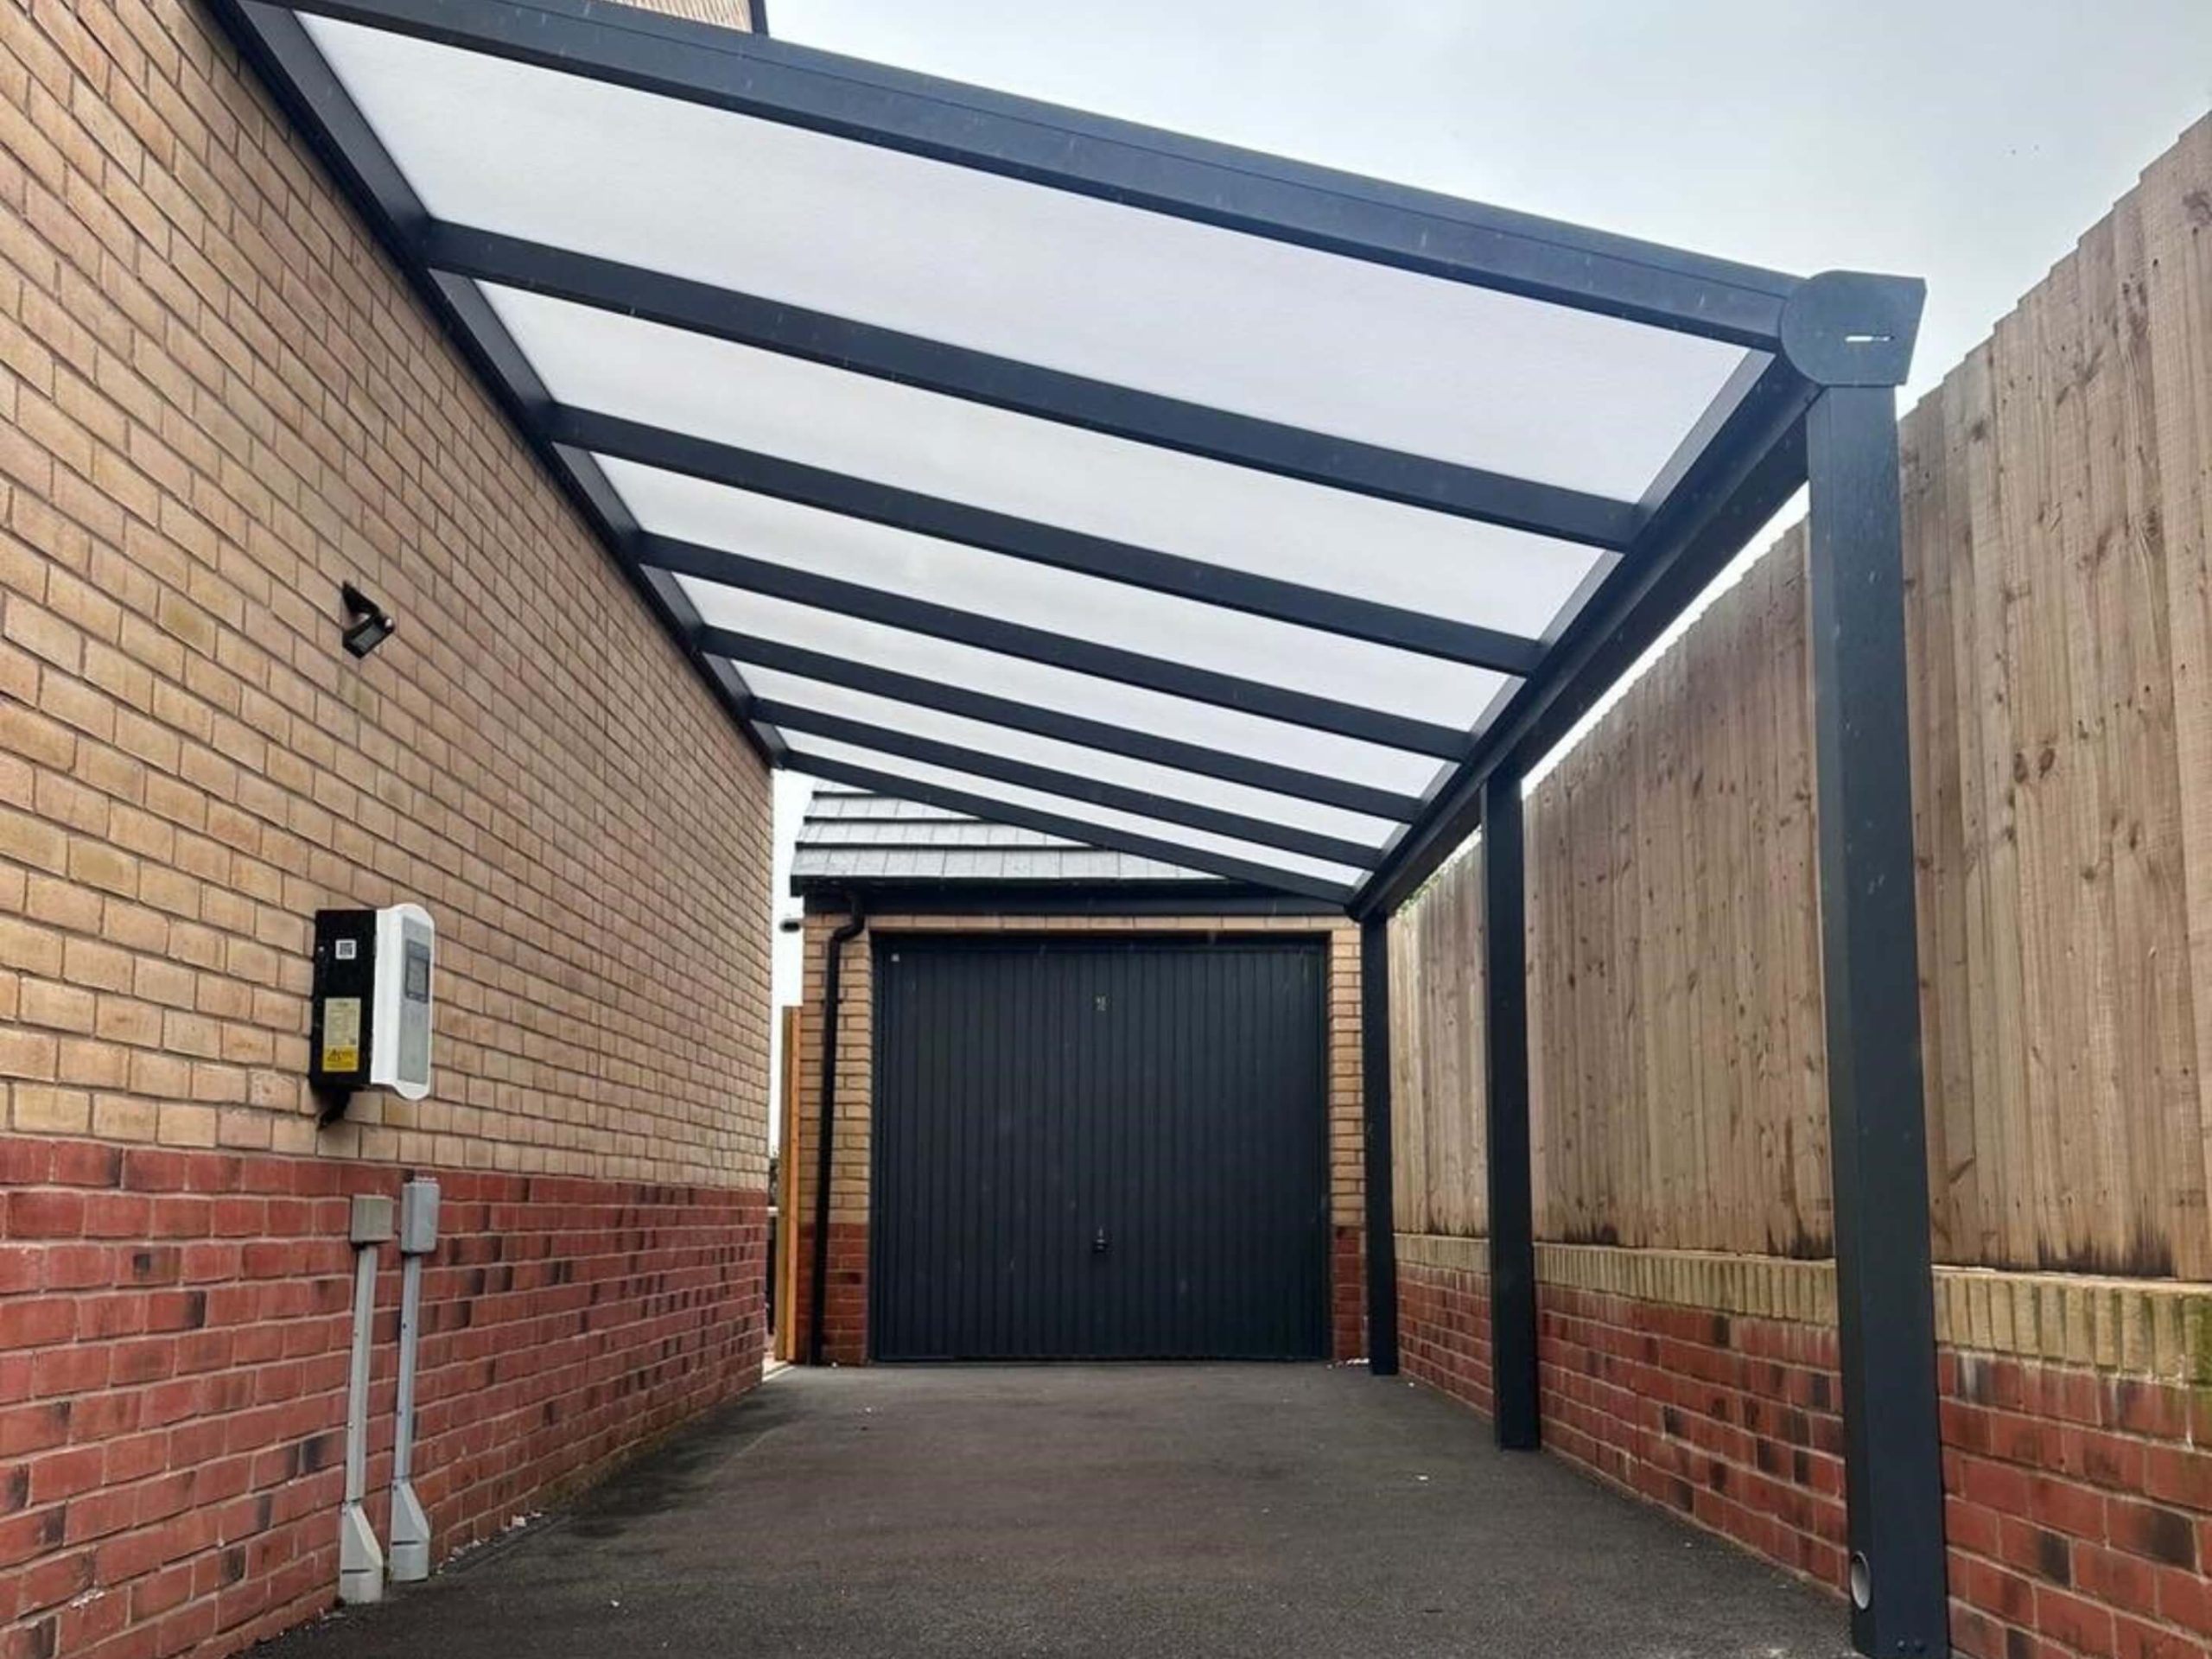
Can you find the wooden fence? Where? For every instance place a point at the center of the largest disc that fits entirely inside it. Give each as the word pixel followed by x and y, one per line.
pixel 1436 1055
pixel 2058 507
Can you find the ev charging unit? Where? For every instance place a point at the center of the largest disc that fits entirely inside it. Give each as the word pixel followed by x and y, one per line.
pixel 369 1023
pixel 418 1237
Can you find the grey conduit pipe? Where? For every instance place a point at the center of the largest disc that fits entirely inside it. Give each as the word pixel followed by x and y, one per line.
pixel 818 1275
pixel 409 1560
pixel 361 1559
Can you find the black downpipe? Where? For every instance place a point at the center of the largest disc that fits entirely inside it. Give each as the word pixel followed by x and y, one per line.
pixel 818 1273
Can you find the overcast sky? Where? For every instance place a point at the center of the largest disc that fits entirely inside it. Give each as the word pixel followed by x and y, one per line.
pixel 1969 142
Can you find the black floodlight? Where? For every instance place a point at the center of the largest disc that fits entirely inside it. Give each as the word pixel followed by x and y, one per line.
pixel 367 625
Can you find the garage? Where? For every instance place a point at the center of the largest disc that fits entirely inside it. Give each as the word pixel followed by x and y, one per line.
pixel 1101 1149
pixel 1080 1104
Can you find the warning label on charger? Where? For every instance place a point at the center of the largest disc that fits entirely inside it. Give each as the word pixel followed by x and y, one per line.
pixel 341 1035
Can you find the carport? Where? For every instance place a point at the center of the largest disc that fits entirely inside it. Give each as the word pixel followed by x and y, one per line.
pixel 1183 501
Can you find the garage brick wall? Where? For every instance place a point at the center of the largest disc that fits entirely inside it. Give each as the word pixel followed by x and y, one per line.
pixel 845 1325
pixel 218 401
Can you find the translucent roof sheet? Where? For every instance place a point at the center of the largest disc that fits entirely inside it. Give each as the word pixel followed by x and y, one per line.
pixel 854 550
pixel 1137 493
pixel 839 703
pixel 1106 485
pixel 1017 270
pixel 831 634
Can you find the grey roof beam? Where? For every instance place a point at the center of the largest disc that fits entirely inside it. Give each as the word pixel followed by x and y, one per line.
pixel 1171 678
pixel 1197 580
pixel 1047 394
pixel 1037 720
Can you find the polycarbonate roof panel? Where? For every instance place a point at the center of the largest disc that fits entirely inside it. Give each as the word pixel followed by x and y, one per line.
pixel 1044 686
pixel 1076 480
pixel 1084 607
pixel 839 702
pixel 953 449
pixel 1093 288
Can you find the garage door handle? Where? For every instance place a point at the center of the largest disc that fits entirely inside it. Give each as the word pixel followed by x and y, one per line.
pixel 1098 1242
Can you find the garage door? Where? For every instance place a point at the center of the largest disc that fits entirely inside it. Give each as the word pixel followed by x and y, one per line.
pixel 1107 1151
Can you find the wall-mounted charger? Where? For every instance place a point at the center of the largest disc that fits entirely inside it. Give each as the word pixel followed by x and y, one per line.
pixel 370 1027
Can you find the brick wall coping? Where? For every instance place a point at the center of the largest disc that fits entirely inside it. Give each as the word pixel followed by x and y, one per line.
pixel 2156 1328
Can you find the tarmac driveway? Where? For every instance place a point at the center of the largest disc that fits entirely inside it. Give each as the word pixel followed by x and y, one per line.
pixel 1273 1511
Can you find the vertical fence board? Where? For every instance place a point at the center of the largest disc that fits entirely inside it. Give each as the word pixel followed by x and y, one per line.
pixel 2175 206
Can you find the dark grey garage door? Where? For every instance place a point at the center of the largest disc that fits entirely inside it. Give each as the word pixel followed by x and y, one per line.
pixel 1103 1150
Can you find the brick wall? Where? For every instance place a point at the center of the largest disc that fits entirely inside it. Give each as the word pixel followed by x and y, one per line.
pixel 1444 1316
pixel 2077 1413
pixel 845 1334
pixel 844 1329
pixel 196 447
pixel 174 1329
pixel 1731 1419
pixel 1348 1290
pixel 217 403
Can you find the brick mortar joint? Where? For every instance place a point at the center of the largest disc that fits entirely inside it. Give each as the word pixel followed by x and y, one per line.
pixel 2158 1330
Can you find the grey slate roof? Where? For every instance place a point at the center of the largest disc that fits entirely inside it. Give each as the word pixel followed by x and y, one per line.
pixel 851 835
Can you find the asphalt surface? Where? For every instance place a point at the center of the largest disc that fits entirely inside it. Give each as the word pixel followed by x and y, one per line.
pixel 1271 1511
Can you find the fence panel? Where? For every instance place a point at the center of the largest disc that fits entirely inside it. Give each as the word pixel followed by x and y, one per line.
pixel 2058 516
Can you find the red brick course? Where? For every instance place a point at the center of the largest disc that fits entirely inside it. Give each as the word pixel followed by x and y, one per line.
pixel 844 1333
pixel 2079 1510
pixel 1348 1295
pixel 2078 1506
pixel 174 1329
pixel 1733 1422
pixel 1444 1330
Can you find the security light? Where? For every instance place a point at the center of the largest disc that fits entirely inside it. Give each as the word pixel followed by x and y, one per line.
pixel 367 627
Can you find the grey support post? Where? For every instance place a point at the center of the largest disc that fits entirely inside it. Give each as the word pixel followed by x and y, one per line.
pixel 1854 336
pixel 1516 1408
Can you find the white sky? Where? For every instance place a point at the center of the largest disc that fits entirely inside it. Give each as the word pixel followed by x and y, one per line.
pixel 1968 141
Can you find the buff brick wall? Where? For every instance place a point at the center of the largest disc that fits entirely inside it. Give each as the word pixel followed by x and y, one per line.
pixel 2077 1413
pixel 845 1324
pixel 218 402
